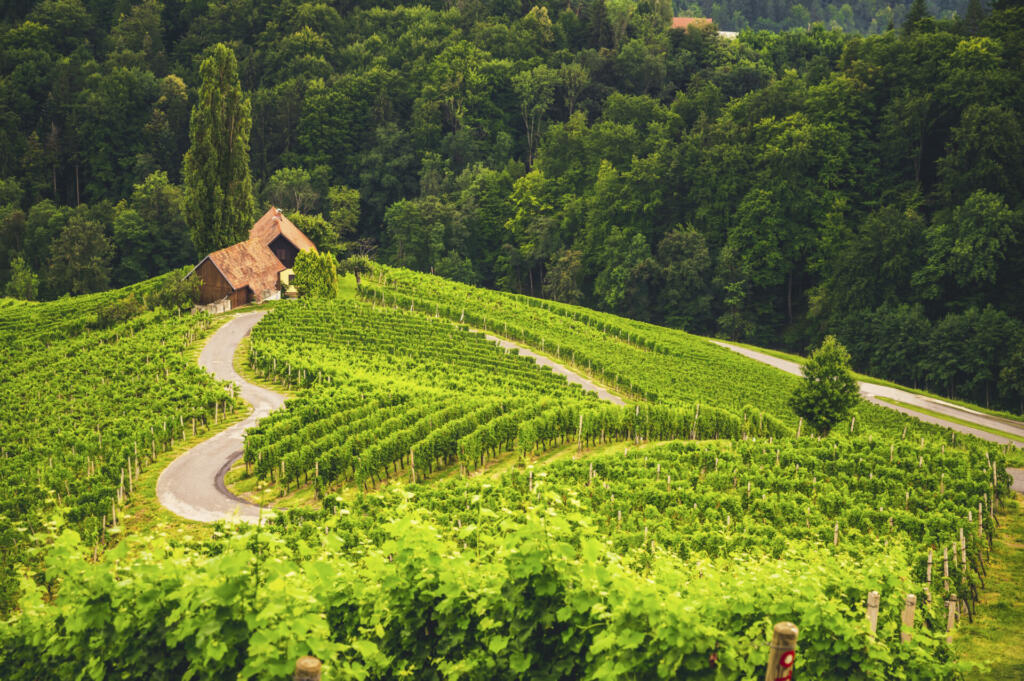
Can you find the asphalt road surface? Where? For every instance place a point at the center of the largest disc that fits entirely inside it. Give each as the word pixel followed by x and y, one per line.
pixel 557 368
pixel 193 485
pixel 872 391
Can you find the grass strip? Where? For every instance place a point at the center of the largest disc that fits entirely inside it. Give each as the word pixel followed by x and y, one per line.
pixel 950 419
pixel 995 637
pixel 881 381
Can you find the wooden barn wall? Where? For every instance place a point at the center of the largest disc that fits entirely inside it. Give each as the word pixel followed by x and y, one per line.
pixel 240 297
pixel 214 285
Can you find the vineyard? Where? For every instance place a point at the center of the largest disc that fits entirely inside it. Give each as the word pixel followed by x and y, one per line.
pixel 391 388
pixel 666 562
pixel 663 541
pixel 84 416
pixel 647 361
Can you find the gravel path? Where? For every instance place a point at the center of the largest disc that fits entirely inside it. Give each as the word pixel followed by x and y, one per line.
pixel 872 391
pixel 193 485
pixel 559 369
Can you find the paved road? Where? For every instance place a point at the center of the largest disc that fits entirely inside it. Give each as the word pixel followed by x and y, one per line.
pixel 559 369
pixel 872 391
pixel 1018 479
pixel 193 485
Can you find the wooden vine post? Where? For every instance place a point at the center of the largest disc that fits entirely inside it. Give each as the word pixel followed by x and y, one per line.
pixel 307 668
pixel 928 582
pixel 874 599
pixel 951 606
pixel 782 654
pixel 907 618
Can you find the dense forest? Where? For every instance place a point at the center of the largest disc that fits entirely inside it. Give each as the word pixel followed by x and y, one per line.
pixel 772 188
pixel 862 16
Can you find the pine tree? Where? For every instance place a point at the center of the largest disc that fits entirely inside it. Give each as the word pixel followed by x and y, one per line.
pixel 219 205
pixel 829 391
pixel 917 14
pixel 975 15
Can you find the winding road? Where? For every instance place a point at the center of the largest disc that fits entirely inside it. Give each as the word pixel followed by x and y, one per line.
pixel 570 376
pixel 193 485
pixel 872 392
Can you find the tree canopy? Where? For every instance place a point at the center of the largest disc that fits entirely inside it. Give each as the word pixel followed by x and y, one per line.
pixel 219 205
pixel 828 390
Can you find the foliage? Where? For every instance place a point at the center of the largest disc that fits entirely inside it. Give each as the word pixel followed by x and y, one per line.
pixel 175 291
pixel 316 274
pixel 24 283
pixel 828 391
pixel 291 189
pixel 828 176
pixel 80 256
pixel 83 407
pixel 219 205
pixel 357 265
pixel 536 576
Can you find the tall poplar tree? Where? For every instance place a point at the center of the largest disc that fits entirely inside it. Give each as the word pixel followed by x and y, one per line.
pixel 219 205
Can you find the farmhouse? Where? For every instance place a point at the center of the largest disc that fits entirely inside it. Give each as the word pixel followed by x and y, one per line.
pixel 683 23
pixel 249 270
pixel 281 235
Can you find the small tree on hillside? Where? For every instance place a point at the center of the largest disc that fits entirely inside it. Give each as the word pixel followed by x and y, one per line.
pixel 316 274
pixel 357 265
pixel 24 282
pixel 828 391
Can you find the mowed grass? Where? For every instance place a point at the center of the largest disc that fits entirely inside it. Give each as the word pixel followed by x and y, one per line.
pixel 996 637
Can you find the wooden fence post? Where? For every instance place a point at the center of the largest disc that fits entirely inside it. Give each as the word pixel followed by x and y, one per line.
pixel 945 568
pixel 873 601
pixel 307 668
pixel 928 584
pixel 950 617
pixel 908 618
pixel 782 654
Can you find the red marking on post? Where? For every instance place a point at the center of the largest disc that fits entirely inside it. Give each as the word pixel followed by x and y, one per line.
pixel 786 662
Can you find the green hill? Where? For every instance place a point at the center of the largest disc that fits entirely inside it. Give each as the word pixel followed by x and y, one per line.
pixel 547 534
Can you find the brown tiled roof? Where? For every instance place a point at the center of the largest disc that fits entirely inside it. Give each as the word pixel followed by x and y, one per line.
pixel 273 223
pixel 686 22
pixel 249 263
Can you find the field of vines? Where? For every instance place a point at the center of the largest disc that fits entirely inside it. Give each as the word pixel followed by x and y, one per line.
pixel 666 562
pixel 390 390
pixel 25 325
pixel 84 416
pixel 646 361
pixel 684 524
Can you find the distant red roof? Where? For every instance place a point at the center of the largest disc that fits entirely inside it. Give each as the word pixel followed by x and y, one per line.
pixel 249 263
pixel 274 224
pixel 685 22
